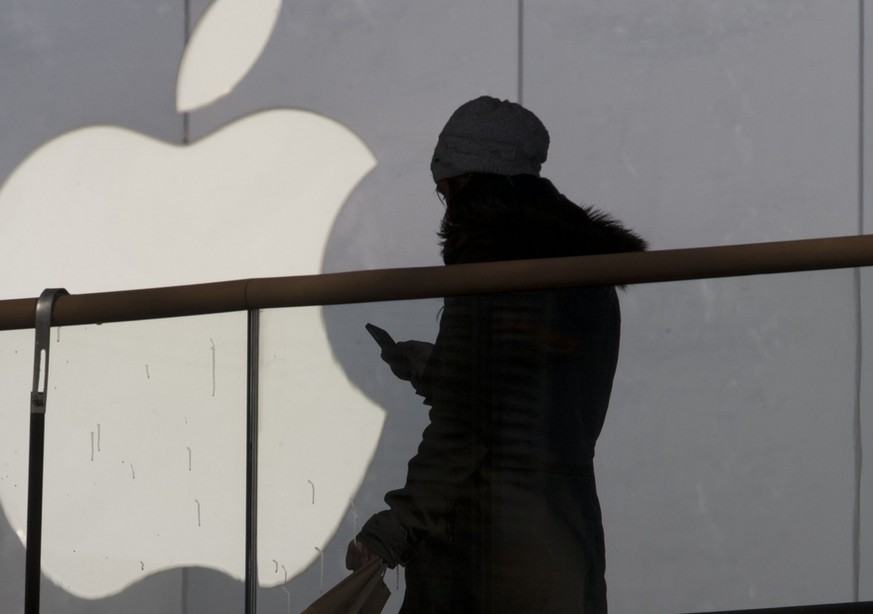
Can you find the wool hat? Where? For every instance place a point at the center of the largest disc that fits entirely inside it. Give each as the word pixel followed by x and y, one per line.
pixel 487 135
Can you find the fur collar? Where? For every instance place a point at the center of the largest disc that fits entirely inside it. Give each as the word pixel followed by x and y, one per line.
pixel 549 226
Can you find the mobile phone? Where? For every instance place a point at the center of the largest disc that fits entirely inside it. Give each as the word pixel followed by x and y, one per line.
pixel 381 336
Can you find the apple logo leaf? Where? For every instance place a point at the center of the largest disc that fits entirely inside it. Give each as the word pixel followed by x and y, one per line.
pixel 210 66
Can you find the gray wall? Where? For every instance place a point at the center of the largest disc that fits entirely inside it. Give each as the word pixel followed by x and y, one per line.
pixel 727 468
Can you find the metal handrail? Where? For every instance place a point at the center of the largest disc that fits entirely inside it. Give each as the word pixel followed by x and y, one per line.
pixel 439 281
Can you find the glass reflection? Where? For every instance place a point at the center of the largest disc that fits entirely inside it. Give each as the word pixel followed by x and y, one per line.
pixel 145 452
pixel 317 434
pixel 727 451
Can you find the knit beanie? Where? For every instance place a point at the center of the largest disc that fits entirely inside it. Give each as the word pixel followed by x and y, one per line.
pixel 487 135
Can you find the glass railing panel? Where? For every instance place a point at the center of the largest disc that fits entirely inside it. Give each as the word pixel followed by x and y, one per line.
pixel 726 467
pixel 144 463
pixel 727 464
pixel 324 401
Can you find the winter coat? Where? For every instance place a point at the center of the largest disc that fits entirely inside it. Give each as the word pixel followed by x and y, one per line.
pixel 500 512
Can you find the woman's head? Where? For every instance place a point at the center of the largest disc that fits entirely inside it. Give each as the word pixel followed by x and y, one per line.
pixel 487 135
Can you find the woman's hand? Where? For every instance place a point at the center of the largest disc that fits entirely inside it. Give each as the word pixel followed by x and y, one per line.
pixel 407 359
pixel 357 555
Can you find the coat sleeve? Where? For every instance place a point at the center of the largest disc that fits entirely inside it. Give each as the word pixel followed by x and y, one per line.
pixel 452 446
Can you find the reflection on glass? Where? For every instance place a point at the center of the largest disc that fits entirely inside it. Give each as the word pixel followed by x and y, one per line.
pixel 317 434
pixel 727 451
pixel 726 464
pixel 145 451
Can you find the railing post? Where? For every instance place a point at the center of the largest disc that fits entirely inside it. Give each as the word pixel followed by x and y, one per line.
pixel 36 455
pixel 251 590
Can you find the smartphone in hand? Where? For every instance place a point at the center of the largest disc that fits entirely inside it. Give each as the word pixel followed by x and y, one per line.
pixel 385 341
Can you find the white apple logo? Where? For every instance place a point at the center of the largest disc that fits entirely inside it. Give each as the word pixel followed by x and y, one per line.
pixel 145 463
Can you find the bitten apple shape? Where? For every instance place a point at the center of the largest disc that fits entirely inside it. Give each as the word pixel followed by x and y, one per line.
pixel 145 463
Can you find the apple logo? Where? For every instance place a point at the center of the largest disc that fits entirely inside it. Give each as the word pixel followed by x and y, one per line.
pixel 145 437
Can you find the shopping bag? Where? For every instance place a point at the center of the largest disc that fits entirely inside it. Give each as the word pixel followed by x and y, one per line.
pixel 361 592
